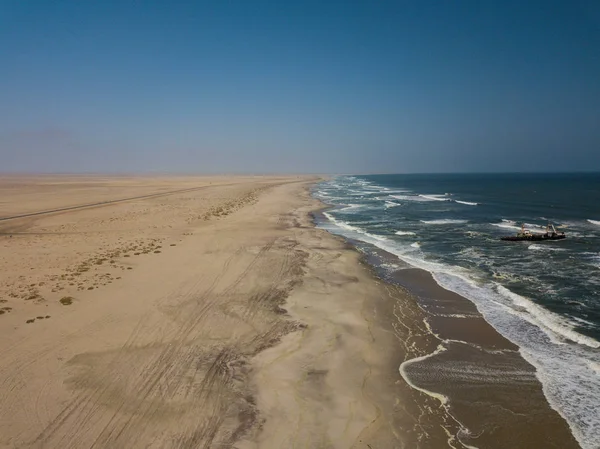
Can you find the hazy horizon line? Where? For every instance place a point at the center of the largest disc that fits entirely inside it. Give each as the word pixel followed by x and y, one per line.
pixel 281 173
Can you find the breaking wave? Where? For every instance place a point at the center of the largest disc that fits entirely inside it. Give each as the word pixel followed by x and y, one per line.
pixel 468 203
pixel 405 233
pixel 443 221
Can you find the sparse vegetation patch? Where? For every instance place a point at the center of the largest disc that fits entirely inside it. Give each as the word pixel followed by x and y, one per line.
pixel 66 300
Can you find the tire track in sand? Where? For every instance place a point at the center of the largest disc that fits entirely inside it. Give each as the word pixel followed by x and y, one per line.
pixel 175 359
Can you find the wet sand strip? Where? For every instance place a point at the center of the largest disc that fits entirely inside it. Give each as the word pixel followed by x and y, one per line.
pixel 487 386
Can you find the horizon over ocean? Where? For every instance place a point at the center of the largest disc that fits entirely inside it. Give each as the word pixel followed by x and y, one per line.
pixel 542 296
pixel 486 173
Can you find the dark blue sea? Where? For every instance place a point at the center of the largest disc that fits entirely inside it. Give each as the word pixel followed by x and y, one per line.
pixel 543 296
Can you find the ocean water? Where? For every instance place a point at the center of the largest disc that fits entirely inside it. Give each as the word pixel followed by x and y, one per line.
pixel 543 296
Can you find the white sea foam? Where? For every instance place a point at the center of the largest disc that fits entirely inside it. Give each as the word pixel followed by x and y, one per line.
pixel 405 233
pixel 594 222
pixel 350 207
pixel 535 226
pixel 406 197
pixel 464 432
pixel 390 266
pixel 468 203
pixel 506 225
pixel 429 329
pixel 440 397
pixel 419 198
pixel 389 204
pixel 349 227
pixel 453 315
pixel 328 197
pixel 436 197
pixel 415 245
pixel 544 248
pixel 443 221
pixel 581 320
pixel 551 323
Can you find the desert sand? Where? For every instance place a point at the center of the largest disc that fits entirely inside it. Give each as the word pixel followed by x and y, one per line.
pixel 210 312
pixel 186 313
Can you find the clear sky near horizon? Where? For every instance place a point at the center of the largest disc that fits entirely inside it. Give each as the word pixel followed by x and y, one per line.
pixel 305 86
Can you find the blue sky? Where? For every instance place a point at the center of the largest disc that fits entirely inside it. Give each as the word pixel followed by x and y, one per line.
pixel 310 86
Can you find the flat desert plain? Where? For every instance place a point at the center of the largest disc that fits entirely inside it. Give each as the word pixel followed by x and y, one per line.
pixel 191 312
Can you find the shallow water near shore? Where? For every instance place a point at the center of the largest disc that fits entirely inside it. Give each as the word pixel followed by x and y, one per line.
pixel 542 298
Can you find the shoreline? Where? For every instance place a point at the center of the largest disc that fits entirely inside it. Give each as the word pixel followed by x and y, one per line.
pixel 462 332
pixel 341 378
pixel 215 317
pixel 171 322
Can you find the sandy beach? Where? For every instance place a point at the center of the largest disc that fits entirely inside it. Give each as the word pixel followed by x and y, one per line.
pixel 156 312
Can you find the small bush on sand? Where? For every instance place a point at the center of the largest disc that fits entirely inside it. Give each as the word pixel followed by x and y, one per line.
pixel 66 300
